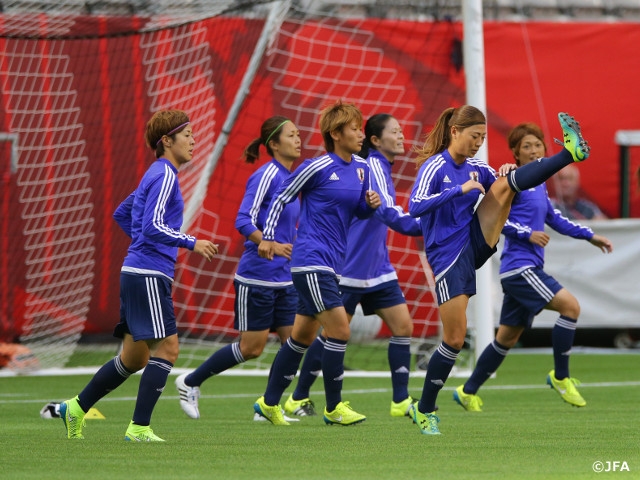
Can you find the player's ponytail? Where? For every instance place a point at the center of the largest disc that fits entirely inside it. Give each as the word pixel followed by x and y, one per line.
pixel 269 131
pixel 252 152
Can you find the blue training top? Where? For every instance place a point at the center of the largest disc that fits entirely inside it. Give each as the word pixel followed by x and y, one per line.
pixel 333 191
pixel 367 263
pixel 445 213
pixel 261 187
pixel 152 217
pixel 530 211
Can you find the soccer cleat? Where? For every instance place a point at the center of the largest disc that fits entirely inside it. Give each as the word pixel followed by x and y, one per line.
pixel 188 397
pixel 469 401
pixel 343 414
pixel 428 422
pixel 259 418
pixel 567 389
pixel 50 410
pixel 138 433
pixel 301 408
pixel 572 138
pixel 401 409
pixel 271 413
pixel 73 417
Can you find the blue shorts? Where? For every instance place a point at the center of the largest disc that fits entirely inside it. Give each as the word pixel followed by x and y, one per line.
pixel 146 307
pixel 317 291
pixel 385 295
pixel 525 295
pixel 263 308
pixel 460 277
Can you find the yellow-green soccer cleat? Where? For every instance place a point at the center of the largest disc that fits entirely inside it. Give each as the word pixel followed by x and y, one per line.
pixel 272 413
pixel 343 414
pixel 301 408
pixel 468 401
pixel 428 422
pixel 401 409
pixel 567 389
pixel 572 138
pixel 138 433
pixel 73 417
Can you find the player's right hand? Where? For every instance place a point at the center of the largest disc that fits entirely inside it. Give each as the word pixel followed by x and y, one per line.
pixel 282 249
pixel 266 249
pixel 206 248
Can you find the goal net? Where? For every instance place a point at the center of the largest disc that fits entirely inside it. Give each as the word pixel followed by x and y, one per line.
pixel 78 87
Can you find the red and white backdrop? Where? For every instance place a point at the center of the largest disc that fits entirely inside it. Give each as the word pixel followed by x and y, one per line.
pixel 533 71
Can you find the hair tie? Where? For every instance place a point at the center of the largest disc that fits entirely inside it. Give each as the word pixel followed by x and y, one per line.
pixel 266 143
pixel 172 132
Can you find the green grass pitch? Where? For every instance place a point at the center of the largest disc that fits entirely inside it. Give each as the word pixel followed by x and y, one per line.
pixel 525 431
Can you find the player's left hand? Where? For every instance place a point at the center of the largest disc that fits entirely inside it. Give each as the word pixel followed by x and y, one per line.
pixel 506 168
pixel 373 199
pixel 602 243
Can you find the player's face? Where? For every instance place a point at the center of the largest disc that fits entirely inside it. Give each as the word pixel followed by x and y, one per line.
pixel 349 139
pixel 531 148
pixel 466 143
pixel 181 148
pixel 391 141
pixel 289 146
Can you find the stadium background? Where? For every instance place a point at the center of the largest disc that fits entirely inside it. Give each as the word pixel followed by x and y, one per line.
pixel 533 70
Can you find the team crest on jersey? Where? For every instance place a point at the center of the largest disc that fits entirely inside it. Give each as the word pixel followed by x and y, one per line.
pixel 473 176
pixel 360 174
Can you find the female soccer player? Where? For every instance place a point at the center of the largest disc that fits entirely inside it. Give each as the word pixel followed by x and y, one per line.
pixel 527 288
pixel 152 217
pixel 334 189
pixel 265 296
pixel 460 237
pixel 368 277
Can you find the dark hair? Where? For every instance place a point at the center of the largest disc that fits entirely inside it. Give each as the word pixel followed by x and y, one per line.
pixel 439 139
pixel 270 130
pixel 164 122
pixel 517 133
pixel 335 117
pixel 373 128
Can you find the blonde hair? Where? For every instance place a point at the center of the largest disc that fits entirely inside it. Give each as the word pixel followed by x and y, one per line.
pixel 334 118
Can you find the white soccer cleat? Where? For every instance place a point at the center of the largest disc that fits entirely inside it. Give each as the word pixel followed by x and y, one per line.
pixel 188 397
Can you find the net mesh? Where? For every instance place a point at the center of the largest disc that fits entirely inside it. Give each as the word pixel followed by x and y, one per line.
pixel 78 93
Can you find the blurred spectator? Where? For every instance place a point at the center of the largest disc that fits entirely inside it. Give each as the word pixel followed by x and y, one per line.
pixel 568 199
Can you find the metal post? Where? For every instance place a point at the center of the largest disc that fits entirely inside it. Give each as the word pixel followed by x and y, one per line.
pixel 626 139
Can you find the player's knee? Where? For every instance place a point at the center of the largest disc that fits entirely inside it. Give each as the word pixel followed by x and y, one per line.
pixel 455 341
pixel 134 364
pixel 570 307
pixel 572 310
pixel 405 330
pixel 252 351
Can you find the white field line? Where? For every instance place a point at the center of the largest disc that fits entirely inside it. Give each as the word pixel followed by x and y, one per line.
pixel 16 398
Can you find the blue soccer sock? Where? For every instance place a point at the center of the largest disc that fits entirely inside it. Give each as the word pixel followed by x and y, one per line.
pixel 225 358
pixel 562 336
pixel 537 172
pixel 283 370
pixel 333 371
pixel 109 377
pixel 489 361
pixel 438 370
pixel 152 383
pixel 310 370
pixel 399 355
